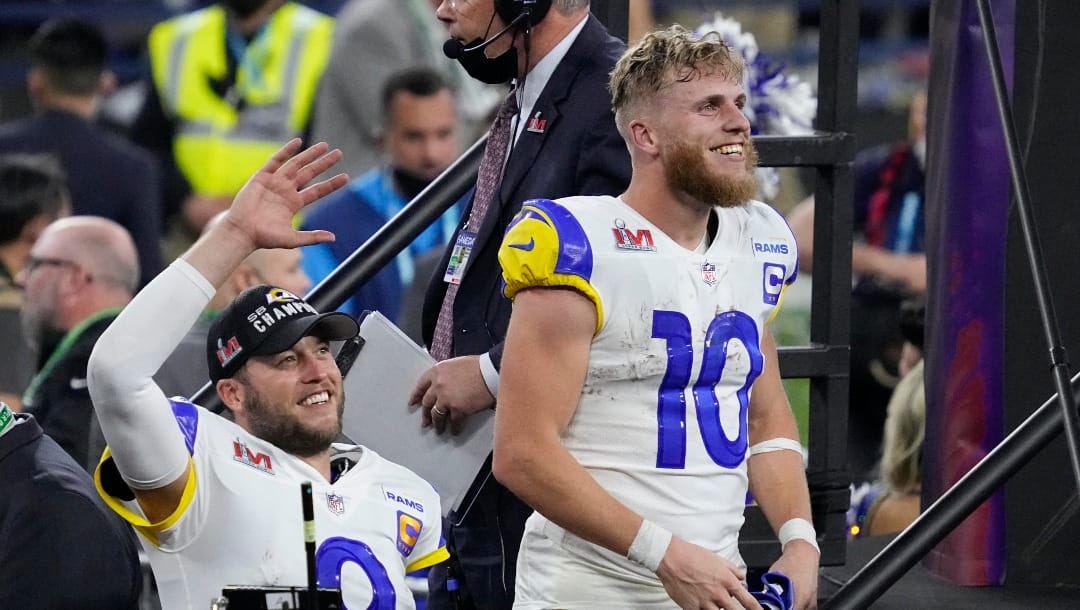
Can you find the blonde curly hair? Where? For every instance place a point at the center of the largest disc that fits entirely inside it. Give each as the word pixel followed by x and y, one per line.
pixel 662 58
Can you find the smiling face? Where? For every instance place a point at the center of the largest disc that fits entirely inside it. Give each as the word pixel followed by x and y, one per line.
pixel 704 142
pixel 293 399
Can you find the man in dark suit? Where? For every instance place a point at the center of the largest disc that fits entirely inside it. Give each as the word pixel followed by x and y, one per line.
pixel 563 142
pixel 107 176
pixel 63 548
pixel 32 195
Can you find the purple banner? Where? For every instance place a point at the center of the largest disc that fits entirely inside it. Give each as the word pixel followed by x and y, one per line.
pixel 967 219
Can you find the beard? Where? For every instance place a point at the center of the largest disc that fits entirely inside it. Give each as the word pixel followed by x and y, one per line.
pixel 288 433
pixel 39 333
pixel 33 329
pixel 688 170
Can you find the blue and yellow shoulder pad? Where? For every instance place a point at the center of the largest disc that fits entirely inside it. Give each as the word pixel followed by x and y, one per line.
pixel 546 246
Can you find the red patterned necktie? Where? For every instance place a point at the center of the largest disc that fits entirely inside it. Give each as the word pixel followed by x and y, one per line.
pixel 487 184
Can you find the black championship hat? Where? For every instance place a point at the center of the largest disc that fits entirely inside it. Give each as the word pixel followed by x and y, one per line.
pixel 266 320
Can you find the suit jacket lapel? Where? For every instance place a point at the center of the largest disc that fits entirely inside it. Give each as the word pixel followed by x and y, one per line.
pixel 528 146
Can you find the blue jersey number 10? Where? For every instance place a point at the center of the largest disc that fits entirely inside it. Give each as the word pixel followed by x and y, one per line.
pixel 674 327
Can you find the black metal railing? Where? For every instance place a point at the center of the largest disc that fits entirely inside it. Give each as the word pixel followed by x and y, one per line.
pixel 825 362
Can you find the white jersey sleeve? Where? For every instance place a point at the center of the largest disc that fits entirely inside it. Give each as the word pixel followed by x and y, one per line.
pixel 132 409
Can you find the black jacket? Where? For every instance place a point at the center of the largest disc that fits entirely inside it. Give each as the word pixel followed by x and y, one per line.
pixel 107 176
pixel 579 153
pixel 62 547
pixel 61 402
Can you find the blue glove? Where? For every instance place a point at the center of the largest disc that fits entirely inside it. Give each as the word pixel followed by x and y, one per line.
pixel 777 594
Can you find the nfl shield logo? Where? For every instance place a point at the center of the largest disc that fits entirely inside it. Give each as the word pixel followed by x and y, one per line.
pixel 335 503
pixel 708 273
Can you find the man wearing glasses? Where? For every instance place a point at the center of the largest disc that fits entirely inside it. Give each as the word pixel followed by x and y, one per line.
pixel 32 195
pixel 80 273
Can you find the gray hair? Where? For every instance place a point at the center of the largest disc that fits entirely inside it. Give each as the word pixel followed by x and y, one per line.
pixel 567 7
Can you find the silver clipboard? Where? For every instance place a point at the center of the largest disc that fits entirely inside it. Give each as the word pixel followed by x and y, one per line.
pixel 378 416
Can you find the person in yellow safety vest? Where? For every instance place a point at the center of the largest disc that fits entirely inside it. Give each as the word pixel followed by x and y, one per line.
pixel 231 82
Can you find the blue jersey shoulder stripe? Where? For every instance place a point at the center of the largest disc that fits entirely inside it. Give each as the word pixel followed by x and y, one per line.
pixel 575 254
pixel 187 417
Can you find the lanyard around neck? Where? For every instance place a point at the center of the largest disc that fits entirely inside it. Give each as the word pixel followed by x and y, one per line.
pixel 65 344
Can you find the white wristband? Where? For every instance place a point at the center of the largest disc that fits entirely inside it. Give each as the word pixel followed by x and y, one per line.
pixel 649 545
pixel 798 529
pixel 490 374
pixel 779 443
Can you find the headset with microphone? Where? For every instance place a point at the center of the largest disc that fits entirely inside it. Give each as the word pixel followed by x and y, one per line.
pixel 513 13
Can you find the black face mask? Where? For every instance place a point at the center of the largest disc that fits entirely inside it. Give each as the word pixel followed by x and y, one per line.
pixel 243 8
pixel 409 184
pixel 490 70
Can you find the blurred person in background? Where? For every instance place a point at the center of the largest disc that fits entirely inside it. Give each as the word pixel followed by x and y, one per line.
pixel 888 263
pixel 230 83
pixel 419 141
pixel 106 175
pixel 893 501
pixel 32 195
pixel 390 36
pixel 78 276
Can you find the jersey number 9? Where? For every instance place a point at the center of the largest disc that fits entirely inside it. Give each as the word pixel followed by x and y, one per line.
pixel 335 552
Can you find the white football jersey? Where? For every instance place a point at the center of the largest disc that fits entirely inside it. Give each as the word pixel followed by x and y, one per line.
pixel 662 419
pixel 240 521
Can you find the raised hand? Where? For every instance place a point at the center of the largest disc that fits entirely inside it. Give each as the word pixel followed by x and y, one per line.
pixel 261 214
pixel 264 208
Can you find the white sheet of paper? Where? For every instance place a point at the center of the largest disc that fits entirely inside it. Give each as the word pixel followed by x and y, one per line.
pixel 377 414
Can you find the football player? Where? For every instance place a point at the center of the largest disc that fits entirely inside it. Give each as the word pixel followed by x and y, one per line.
pixel 640 394
pixel 217 502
